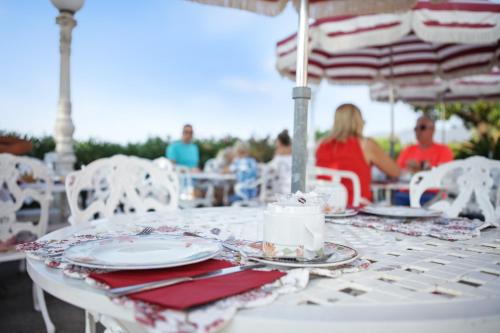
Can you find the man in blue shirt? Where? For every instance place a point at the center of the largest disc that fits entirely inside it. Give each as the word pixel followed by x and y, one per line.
pixel 184 152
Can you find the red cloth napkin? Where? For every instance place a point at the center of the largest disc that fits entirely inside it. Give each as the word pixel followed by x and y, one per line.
pixel 188 294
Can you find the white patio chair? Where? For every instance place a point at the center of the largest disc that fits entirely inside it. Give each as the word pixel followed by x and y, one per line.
pixel 261 184
pixel 120 184
pixel 13 195
pixel 164 164
pixel 187 190
pixel 212 165
pixel 474 178
pixel 335 182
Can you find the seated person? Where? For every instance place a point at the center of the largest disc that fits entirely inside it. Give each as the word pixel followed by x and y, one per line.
pixel 246 170
pixel 281 164
pixel 346 149
pixel 422 156
pixel 426 153
pixel 184 152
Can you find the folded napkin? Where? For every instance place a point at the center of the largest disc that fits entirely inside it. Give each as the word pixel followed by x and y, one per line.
pixel 189 294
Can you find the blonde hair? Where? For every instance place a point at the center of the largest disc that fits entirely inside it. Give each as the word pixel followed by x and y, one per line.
pixel 348 122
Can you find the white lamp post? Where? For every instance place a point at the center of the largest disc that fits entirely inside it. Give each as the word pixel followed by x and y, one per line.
pixel 64 129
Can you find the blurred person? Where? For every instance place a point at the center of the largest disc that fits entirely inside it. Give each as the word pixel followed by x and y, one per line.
pixel 184 152
pixel 224 159
pixel 422 156
pixel 346 149
pixel 246 171
pixel 281 164
pixel 426 153
pixel 15 146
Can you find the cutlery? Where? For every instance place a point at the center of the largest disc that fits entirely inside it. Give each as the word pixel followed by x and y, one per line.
pixel 122 291
pixel 146 231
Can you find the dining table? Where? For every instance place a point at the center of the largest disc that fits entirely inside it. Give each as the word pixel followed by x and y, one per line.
pixel 412 276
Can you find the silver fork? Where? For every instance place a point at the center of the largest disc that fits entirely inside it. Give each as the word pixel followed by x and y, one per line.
pixel 146 231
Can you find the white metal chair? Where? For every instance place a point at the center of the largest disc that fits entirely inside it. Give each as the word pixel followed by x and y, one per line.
pixel 475 177
pixel 261 184
pixel 334 179
pixel 13 195
pixel 187 190
pixel 212 165
pixel 120 184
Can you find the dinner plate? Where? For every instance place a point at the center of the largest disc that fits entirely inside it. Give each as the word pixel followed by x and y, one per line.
pixel 334 255
pixel 345 213
pixel 400 211
pixel 142 252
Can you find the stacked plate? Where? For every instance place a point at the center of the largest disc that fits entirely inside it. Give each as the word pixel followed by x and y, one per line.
pixel 142 252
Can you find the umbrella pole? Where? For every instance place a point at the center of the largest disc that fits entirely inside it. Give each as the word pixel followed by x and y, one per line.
pixel 301 96
pixel 443 119
pixel 391 138
pixel 311 144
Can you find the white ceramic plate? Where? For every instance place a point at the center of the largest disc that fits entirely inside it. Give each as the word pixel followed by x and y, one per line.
pixel 142 252
pixel 345 213
pixel 335 255
pixel 400 211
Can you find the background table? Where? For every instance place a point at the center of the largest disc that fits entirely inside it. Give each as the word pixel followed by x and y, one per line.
pixel 414 284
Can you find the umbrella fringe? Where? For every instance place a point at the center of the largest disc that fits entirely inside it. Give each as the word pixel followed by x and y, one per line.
pixel 455 35
pixel 257 6
pixel 356 7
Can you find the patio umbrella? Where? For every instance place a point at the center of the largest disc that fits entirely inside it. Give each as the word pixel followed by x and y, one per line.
pixel 464 90
pixel 447 40
pixel 317 8
pixel 302 93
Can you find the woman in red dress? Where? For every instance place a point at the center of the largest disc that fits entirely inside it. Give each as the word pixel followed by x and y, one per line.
pixel 346 149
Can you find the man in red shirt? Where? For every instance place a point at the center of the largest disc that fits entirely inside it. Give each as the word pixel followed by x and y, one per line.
pixel 422 156
pixel 426 153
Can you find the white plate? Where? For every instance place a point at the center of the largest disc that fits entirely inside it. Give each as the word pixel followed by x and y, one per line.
pixel 335 255
pixel 400 211
pixel 142 252
pixel 345 213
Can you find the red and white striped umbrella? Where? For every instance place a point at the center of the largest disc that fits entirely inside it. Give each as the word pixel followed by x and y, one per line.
pixel 301 93
pixel 447 40
pixel 317 8
pixel 465 90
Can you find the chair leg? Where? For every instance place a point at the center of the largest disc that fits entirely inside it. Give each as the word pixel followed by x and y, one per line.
pixel 89 322
pixel 36 306
pixel 40 300
pixel 22 266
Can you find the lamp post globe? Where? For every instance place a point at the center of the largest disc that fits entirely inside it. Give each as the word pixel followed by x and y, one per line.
pixel 71 6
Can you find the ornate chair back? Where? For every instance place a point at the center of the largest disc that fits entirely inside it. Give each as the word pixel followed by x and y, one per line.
pixel 335 182
pixel 120 184
pixel 474 177
pixel 23 181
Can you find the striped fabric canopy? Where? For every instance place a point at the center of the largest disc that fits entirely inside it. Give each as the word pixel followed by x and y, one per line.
pixel 318 8
pixel 446 40
pixel 465 90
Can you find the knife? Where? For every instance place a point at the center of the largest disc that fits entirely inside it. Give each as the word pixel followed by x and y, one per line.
pixel 122 291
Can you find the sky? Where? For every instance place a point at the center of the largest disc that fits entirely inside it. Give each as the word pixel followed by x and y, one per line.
pixel 145 68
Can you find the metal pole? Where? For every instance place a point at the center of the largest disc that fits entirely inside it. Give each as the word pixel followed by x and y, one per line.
pixel 64 128
pixel 392 153
pixel 392 138
pixel 311 144
pixel 443 119
pixel 301 96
